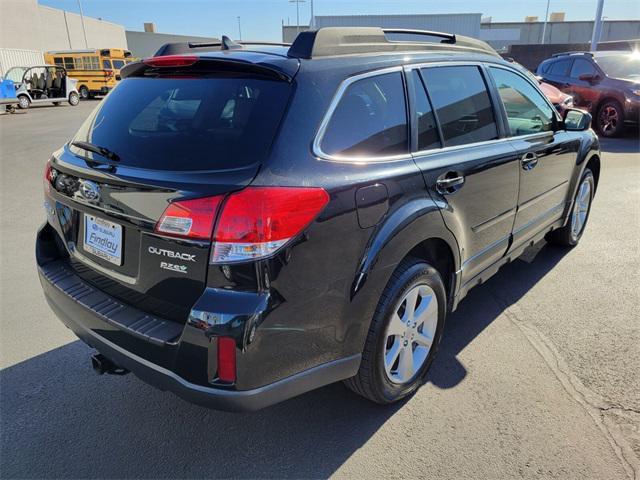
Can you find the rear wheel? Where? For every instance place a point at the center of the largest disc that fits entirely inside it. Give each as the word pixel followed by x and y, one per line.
pixel 84 93
pixel 610 119
pixel 404 334
pixel 74 99
pixel 23 102
pixel 570 234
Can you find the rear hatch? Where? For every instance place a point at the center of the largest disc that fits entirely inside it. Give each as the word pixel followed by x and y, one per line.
pixel 134 194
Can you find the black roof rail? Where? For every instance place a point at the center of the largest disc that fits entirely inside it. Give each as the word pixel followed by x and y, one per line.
pixel 178 48
pixel 574 52
pixel 331 41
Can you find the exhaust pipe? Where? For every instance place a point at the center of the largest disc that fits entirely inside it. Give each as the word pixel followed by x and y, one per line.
pixel 102 365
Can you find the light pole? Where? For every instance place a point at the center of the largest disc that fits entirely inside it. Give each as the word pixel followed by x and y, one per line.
pixel 297 2
pixel 312 22
pixel 84 31
pixel 239 29
pixel 597 26
pixel 546 19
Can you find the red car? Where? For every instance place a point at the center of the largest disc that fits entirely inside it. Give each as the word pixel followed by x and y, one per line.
pixel 560 100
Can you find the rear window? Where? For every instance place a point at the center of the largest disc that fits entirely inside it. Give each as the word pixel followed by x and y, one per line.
pixel 560 68
pixel 207 123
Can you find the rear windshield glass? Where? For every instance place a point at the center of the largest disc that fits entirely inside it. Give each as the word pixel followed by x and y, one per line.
pixel 175 123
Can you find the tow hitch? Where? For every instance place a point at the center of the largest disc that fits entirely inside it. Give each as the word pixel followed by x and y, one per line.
pixel 102 364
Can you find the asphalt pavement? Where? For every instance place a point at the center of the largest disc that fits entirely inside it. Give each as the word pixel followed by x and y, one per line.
pixel 537 377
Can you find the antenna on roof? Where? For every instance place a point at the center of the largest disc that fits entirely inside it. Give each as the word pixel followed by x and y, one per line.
pixel 228 44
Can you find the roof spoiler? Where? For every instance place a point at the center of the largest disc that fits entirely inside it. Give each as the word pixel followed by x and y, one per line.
pixel 331 41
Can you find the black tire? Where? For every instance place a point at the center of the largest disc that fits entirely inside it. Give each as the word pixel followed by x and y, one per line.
pixel 23 102
pixel 74 99
pixel 566 236
pixel 371 381
pixel 610 119
pixel 84 93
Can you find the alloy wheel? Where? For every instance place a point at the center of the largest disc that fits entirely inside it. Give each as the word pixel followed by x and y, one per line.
pixel 410 334
pixel 581 208
pixel 609 119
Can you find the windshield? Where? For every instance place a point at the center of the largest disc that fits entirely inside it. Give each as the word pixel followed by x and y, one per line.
pixel 15 74
pixel 625 65
pixel 187 123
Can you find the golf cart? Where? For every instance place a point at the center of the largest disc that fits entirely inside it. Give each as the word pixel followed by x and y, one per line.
pixel 43 84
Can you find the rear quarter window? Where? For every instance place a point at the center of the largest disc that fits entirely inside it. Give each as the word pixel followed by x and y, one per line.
pixel 369 120
pixel 188 123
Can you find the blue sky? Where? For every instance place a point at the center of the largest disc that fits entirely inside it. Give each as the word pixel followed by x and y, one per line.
pixel 261 19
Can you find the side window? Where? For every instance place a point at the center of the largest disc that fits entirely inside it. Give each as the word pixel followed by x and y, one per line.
pixel 582 67
pixel 560 68
pixel 106 64
pixel 462 104
pixel 69 64
pixel 427 128
pixel 58 61
pixel 370 119
pixel 527 111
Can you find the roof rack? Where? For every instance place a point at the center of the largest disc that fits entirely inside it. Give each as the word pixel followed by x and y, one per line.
pixel 225 43
pixel 331 41
pixel 574 52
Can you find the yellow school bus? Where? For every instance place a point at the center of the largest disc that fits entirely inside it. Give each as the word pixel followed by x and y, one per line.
pixel 96 71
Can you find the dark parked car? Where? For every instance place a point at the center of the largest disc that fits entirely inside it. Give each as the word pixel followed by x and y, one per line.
pixel 606 83
pixel 241 223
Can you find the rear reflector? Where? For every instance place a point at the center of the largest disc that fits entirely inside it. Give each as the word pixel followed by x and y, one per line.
pixel 190 218
pixel 48 176
pixel 171 61
pixel 257 221
pixel 226 359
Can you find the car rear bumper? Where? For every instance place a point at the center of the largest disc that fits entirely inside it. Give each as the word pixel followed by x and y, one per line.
pixel 91 315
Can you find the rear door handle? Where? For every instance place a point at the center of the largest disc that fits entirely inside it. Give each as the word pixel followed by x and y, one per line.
pixel 529 161
pixel 449 184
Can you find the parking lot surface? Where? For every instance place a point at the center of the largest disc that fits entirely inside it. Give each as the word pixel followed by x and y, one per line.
pixel 537 377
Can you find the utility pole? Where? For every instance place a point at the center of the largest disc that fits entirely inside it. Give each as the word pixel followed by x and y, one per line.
pixel 312 22
pixel 84 31
pixel 546 19
pixel 597 26
pixel 297 2
pixel 239 29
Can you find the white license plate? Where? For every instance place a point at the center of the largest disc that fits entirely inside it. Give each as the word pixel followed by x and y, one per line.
pixel 103 239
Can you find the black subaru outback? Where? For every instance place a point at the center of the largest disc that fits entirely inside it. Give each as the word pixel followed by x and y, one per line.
pixel 241 223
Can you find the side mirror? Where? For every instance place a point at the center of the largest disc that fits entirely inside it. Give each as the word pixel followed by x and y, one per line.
pixel 576 120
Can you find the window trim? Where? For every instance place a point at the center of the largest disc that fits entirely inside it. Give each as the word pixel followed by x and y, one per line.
pixel 317 142
pixel 508 131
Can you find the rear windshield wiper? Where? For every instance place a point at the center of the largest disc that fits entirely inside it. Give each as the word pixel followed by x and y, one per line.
pixel 105 152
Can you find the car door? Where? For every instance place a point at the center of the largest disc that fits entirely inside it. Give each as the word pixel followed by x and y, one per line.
pixel 546 157
pixel 467 167
pixel 584 91
pixel 557 74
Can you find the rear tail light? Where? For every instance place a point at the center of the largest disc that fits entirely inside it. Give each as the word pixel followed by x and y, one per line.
pixel 226 359
pixel 257 221
pixel 190 218
pixel 253 223
pixel 171 61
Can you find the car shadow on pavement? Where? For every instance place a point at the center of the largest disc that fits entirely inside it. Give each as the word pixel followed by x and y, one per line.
pixel 57 419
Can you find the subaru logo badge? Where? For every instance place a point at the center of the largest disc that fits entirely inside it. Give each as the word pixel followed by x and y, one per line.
pixel 89 190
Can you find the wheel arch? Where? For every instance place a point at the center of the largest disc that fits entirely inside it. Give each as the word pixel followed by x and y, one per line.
pixel 416 229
